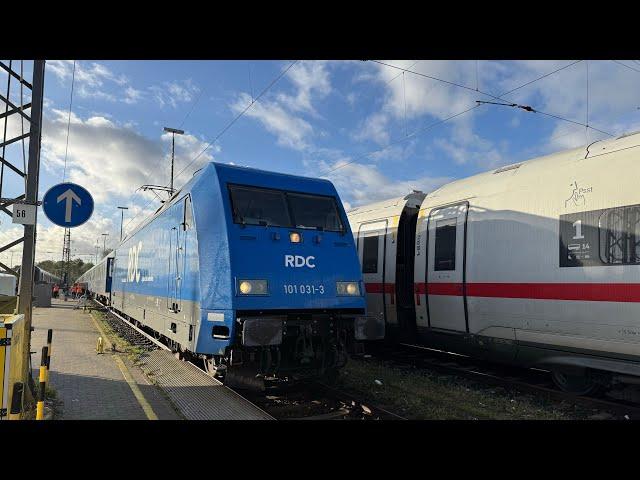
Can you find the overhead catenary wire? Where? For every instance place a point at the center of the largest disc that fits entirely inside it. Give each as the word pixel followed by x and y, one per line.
pixel 237 117
pixel 433 125
pixel 625 65
pixel 224 130
pixel 489 94
pixel 66 148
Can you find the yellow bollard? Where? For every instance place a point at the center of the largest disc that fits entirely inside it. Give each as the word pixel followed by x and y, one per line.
pixel 99 346
pixel 43 385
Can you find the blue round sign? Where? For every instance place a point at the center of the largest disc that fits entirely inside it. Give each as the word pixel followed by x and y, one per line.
pixel 67 205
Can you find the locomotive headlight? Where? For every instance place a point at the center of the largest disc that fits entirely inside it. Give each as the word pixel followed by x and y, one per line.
pixel 253 287
pixel 295 237
pixel 348 288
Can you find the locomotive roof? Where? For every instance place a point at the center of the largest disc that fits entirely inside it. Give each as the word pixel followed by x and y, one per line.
pixel 240 174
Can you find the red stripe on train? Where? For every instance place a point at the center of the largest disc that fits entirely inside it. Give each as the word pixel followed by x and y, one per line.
pixel 593 292
pixel 379 287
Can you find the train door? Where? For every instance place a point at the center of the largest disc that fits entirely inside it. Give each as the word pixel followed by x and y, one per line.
pixel 446 267
pixel 371 250
pixel 174 270
pixel 405 306
pixel 177 253
pixel 109 279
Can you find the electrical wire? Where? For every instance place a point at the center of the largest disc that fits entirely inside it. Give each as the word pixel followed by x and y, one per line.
pixel 66 148
pixel 625 65
pixel 531 109
pixel 222 132
pixel 237 117
pixel 433 125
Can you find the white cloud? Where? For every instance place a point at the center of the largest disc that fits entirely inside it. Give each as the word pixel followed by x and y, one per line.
pixel 290 130
pixel 464 146
pixel 173 93
pixel 112 161
pixel 94 80
pixel 311 80
pixel 131 95
pixel 374 128
pixel 360 184
pixel 283 116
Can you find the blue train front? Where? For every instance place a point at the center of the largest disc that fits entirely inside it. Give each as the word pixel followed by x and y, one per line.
pixel 254 272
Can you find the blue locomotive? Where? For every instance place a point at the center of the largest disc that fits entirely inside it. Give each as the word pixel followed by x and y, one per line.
pixel 253 272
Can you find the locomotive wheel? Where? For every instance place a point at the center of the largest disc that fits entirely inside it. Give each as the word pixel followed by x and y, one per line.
pixel 576 384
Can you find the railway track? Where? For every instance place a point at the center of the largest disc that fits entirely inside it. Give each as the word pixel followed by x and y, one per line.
pixel 308 401
pixel 532 381
pixel 318 401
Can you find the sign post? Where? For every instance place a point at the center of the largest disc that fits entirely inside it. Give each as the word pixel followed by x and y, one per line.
pixel 67 205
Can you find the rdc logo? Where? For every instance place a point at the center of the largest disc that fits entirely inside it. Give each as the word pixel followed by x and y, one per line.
pixel 298 261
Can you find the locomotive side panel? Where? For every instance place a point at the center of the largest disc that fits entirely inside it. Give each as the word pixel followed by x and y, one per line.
pixel 153 280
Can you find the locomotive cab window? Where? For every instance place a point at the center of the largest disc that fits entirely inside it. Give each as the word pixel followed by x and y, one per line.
pixel 445 245
pixel 278 208
pixel 370 254
pixel 314 211
pixel 259 206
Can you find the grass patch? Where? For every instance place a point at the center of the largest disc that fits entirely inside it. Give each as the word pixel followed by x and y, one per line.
pixel 428 395
pixel 134 352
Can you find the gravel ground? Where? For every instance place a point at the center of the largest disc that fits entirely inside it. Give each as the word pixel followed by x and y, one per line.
pixel 427 395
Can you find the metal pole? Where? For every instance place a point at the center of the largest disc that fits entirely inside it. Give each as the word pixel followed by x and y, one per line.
pixel 173 149
pixel 25 297
pixel 122 219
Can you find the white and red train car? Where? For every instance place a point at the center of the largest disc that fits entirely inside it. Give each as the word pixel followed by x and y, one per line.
pixel 535 264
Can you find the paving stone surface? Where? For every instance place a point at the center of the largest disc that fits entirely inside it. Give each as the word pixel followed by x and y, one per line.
pixel 89 386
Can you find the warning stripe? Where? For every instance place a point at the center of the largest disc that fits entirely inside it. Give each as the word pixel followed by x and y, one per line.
pixel 591 292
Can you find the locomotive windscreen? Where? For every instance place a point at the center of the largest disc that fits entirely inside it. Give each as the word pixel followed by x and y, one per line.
pixel 263 206
pixel 313 211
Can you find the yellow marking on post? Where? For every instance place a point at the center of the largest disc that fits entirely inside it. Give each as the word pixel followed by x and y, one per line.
pixel 40 411
pixel 396 220
pixel 43 374
pixel 148 411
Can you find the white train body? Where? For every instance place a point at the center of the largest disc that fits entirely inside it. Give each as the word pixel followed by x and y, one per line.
pixel 537 263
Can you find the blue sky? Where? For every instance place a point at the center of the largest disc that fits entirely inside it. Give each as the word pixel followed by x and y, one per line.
pixel 360 124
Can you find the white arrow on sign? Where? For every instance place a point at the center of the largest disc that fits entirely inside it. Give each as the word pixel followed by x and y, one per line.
pixel 69 196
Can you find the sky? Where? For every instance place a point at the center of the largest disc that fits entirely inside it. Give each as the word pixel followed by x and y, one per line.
pixel 374 130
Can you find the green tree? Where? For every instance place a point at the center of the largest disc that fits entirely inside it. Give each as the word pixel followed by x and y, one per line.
pixel 75 268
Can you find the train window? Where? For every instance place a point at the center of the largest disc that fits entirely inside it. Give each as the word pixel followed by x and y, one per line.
pixel 445 256
pixel 620 236
pixel 259 206
pixel 370 254
pixel 313 211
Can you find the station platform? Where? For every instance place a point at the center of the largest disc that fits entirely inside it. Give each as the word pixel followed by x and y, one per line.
pixel 108 386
